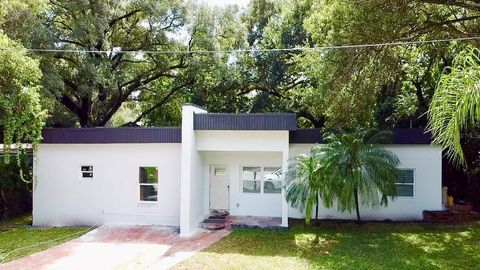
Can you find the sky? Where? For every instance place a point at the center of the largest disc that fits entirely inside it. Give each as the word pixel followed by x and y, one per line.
pixel 222 3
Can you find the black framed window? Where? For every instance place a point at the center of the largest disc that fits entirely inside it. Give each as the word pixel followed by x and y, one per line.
pixel 405 184
pixel 148 181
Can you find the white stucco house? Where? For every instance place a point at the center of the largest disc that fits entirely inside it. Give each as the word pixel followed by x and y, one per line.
pixel 176 176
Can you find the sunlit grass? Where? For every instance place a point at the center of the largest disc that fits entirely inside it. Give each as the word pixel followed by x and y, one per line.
pixel 346 246
pixel 17 234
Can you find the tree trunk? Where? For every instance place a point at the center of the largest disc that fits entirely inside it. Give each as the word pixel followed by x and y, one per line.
pixel 423 107
pixel 84 113
pixel 356 205
pixel 83 120
pixel 316 211
pixel 316 122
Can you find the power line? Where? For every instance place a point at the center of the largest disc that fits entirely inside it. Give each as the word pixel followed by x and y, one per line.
pixel 320 48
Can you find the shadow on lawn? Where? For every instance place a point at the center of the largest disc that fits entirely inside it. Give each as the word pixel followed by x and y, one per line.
pixel 367 246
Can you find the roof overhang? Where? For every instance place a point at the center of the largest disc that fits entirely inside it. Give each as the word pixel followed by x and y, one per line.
pixel 416 136
pixel 112 135
pixel 224 121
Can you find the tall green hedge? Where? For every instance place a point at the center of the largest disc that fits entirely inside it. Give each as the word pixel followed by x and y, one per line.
pixel 15 194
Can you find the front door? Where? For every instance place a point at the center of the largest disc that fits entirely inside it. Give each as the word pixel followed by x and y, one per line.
pixel 219 188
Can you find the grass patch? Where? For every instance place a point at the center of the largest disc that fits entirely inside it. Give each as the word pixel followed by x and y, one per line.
pixel 17 235
pixel 346 246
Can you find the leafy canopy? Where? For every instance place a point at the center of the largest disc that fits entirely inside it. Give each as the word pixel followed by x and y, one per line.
pixel 93 85
pixel 382 85
pixel 21 114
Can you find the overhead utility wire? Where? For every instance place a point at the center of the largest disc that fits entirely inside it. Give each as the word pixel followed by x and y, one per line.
pixel 320 48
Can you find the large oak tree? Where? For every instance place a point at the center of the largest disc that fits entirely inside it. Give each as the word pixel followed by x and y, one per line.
pixel 100 75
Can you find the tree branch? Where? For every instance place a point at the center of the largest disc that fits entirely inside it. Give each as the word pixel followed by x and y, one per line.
pixel 70 104
pixel 163 74
pixel 116 20
pixel 317 123
pixel 66 58
pixel 464 4
pixel 448 23
pixel 162 102
pixel 73 42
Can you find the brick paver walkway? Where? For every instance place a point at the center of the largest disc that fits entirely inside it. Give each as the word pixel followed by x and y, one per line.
pixel 120 247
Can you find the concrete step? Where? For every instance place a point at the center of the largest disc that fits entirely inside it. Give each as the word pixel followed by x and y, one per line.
pixel 215 221
pixel 213 226
pixel 219 213
pixel 217 217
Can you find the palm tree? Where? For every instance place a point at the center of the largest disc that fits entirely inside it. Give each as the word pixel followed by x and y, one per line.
pixel 358 171
pixel 455 105
pixel 305 184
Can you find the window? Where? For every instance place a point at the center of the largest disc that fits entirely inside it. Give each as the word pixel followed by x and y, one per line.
pixel 262 180
pixel 148 180
pixel 86 172
pixel 272 180
pixel 251 179
pixel 405 183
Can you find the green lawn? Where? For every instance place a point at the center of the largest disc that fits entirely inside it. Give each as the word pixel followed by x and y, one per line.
pixel 346 246
pixel 16 237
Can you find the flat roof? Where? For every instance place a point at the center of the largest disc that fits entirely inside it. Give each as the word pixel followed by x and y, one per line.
pixel 174 135
pixel 249 121
pixel 399 136
pixel 112 135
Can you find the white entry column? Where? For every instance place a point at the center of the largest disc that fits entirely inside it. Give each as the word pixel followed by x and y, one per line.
pixel 191 196
pixel 284 193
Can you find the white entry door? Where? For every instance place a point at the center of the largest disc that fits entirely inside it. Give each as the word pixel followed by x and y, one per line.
pixel 219 188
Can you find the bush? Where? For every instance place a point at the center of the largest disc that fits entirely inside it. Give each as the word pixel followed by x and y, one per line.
pixel 15 194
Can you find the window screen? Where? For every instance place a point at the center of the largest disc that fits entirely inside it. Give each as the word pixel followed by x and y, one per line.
pixel 272 180
pixel 405 183
pixel 148 183
pixel 261 179
pixel 251 177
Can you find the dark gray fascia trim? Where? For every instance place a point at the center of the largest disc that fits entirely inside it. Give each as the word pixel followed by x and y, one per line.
pixel 402 136
pixel 112 135
pixel 250 121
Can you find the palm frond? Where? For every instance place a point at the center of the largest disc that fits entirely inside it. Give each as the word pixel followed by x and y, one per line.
pixel 344 169
pixel 302 187
pixel 351 166
pixel 456 104
pixel 306 185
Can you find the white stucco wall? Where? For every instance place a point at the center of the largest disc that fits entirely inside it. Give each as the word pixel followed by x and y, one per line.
pixel 192 181
pixel 245 204
pixel 427 163
pixel 62 198
pixel 241 140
